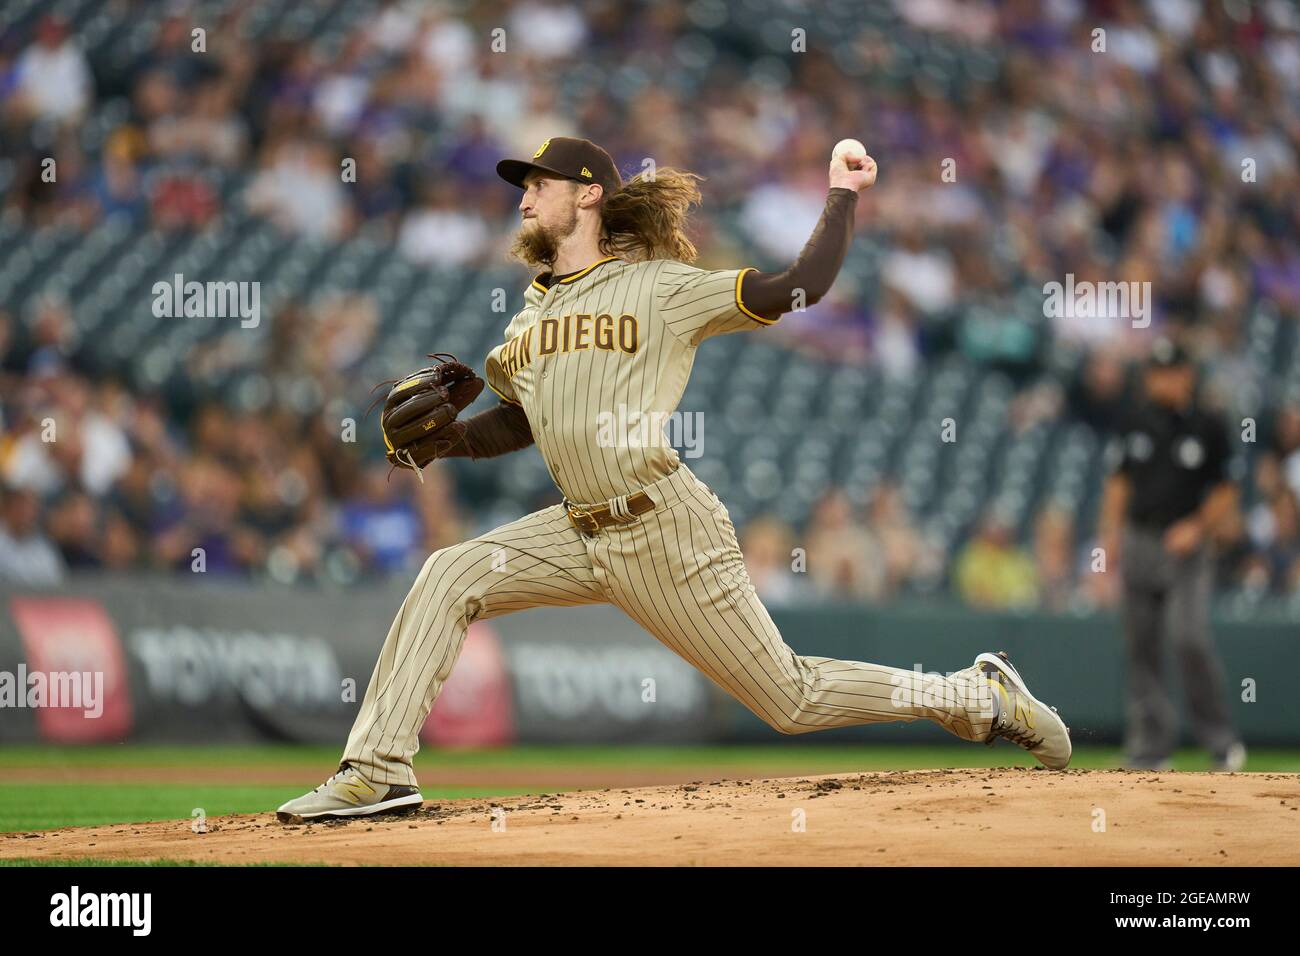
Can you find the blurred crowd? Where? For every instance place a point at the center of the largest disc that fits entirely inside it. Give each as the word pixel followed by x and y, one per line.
pixel 880 553
pixel 1164 149
pixel 98 478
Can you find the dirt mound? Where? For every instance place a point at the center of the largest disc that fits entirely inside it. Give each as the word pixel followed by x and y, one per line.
pixel 934 817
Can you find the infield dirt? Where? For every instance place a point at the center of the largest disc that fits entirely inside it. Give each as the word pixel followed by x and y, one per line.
pixel 935 817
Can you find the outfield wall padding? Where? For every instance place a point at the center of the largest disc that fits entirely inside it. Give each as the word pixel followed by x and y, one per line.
pixel 222 662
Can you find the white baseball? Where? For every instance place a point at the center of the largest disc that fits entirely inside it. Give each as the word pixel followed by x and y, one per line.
pixel 848 150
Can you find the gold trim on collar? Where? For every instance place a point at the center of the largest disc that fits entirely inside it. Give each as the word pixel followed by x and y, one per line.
pixel 579 275
pixel 576 276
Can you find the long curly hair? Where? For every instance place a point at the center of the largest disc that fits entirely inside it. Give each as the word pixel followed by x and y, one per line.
pixel 646 218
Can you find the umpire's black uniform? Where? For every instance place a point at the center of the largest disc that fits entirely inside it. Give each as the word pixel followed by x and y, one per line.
pixel 1173 457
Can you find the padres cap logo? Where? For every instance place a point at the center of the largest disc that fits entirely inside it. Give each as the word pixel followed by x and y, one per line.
pixel 577 159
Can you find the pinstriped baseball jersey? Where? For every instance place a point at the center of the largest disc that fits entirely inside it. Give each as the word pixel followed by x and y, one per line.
pixel 625 333
pixel 602 356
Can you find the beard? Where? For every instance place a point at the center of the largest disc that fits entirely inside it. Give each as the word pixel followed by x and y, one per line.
pixel 539 245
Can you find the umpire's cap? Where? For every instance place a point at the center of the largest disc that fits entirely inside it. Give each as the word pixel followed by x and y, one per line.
pixel 578 159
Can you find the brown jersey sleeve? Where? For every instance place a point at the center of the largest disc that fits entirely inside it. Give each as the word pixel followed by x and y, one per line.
pixel 497 431
pixel 771 294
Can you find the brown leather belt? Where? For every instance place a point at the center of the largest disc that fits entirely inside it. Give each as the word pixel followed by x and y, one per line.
pixel 590 520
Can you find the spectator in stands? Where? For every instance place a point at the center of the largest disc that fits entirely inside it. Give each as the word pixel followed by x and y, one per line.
pixel 380 522
pixel 1283 452
pixel 441 230
pixel 344 333
pixel 67 442
pixel 841 562
pixel 1275 535
pixel 207 129
pixel 1054 557
pixel 834 328
pixel 1255 579
pixel 95 415
pixel 992 571
pixel 446 41
pixel 118 188
pixel 299 187
pixel 205 536
pixel 26 555
pixel 548 29
pixel 895 338
pixel 53 338
pixel 182 199
pixel 120 549
pixel 377 196
pixel 145 499
pixel 173 54
pixel 26 462
pixel 768 545
pixel 54 80
pixel 74 527
pixel 922 275
pixel 780 215
pixel 894 543
pixel 441 519
pixel 156 102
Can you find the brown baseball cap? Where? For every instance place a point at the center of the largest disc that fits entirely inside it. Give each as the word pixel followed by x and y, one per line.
pixel 578 159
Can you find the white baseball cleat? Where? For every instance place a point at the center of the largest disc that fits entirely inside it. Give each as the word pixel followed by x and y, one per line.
pixel 349 794
pixel 1022 718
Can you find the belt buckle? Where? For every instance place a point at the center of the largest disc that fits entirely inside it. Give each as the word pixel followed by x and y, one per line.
pixel 578 515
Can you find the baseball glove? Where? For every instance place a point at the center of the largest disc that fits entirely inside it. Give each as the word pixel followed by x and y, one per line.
pixel 419 417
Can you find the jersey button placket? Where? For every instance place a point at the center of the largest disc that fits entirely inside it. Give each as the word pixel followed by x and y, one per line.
pixel 542 308
pixel 546 372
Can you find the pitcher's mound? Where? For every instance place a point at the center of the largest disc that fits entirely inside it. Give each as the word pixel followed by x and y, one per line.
pixel 935 817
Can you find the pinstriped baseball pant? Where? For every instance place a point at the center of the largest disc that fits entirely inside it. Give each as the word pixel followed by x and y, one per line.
pixel 678 572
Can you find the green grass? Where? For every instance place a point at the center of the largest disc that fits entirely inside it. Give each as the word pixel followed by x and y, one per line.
pixel 27 806
pixel 47 806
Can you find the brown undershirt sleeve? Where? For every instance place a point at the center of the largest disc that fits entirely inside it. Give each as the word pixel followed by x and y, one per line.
pixel 771 295
pixel 497 431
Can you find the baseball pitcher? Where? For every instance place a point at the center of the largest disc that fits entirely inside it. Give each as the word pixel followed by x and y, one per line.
pixel 615 319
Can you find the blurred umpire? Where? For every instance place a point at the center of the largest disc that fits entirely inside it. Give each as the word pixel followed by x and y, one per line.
pixel 1168 494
